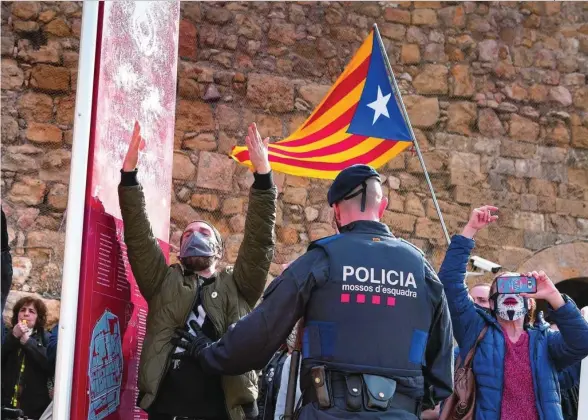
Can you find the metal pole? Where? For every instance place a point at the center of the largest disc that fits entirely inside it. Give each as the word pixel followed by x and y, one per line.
pixel 75 220
pixel 416 144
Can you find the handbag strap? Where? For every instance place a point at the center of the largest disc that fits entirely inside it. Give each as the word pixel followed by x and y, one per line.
pixel 470 355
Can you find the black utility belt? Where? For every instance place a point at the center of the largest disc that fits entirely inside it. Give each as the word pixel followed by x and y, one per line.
pixel 358 392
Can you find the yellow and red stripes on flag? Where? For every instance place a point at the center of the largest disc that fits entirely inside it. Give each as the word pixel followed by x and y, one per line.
pixel 322 147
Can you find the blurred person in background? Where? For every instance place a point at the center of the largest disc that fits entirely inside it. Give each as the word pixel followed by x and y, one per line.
pixel 569 378
pixel 26 369
pixel 6 281
pixel 275 377
pixel 515 365
pixel 480 294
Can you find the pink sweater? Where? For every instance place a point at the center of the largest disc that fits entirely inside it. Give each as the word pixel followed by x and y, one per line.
pixel 518 395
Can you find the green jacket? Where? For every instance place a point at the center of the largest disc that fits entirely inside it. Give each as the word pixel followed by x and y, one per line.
pixel 171 295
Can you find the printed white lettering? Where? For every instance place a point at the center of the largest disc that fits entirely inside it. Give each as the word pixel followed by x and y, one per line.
pixel 410 281
pixel 347 271
pixel 357 288
pixel 364 277
pixel 392 282
pixel 373 278
pixel 390 277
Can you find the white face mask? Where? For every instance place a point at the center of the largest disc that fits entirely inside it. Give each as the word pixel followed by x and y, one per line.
pixel 510 307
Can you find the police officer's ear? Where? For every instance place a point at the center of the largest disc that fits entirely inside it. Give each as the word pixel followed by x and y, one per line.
pixel 383 207
pixel 337 213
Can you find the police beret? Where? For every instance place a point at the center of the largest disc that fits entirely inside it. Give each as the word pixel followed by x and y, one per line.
pixel 349 179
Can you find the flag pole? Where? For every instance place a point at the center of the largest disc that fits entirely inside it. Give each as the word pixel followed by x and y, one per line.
pixel 416 144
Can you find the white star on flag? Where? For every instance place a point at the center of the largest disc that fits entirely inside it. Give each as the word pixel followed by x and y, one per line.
pixel 379 105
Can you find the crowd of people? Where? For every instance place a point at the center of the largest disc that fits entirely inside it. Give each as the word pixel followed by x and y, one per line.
pixel 378 331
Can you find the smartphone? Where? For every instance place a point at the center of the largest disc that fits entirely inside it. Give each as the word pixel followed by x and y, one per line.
pixel 516 284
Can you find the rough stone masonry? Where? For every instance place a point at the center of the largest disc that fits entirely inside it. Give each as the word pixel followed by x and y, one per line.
pixel 496 92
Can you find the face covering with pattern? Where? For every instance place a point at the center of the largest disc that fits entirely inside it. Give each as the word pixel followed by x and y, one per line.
pixel 199 245
pixel 511 307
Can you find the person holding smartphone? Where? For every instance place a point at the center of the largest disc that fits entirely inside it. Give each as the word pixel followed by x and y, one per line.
pixel 515 365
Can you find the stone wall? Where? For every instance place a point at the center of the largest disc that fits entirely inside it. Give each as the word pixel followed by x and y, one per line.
pixel 496 92
pixel 40 43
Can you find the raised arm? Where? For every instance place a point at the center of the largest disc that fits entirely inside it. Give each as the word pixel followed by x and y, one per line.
pixel 145 256
pixel 467 324
pixel 257 249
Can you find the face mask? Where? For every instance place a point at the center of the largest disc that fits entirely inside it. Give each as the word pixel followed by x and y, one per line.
pixel 511 307
pixel 199 245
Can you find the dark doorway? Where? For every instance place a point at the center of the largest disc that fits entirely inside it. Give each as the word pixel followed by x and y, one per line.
pixel 576 289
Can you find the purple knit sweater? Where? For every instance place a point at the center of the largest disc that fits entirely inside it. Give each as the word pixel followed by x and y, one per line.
pixel 518 395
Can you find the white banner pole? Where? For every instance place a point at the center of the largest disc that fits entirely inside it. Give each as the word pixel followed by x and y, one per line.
pixel 75 213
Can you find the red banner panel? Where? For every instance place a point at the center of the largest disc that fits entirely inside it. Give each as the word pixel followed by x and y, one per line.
pixel 135 80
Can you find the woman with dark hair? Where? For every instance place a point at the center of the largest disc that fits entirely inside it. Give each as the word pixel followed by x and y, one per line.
pixel 26 369
pixel 515 365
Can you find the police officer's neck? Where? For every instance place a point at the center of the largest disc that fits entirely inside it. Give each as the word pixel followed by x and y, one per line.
pixel 347 219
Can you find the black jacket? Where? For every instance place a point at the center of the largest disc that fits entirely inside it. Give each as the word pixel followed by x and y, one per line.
pixel 6 277
pixel 34 398
pixel 270 385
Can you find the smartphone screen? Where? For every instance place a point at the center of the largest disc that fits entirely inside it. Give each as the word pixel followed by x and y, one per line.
pixel 516 284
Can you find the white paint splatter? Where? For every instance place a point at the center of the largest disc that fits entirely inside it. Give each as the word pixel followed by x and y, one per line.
pixel 143 24
pixel 126 78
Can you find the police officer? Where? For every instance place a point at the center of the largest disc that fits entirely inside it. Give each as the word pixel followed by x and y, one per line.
pixel 377 336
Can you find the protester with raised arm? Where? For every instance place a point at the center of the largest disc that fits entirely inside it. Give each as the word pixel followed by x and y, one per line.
pixel 194 290
pixel 515 365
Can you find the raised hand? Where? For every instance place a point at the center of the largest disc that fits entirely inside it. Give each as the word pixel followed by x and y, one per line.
pixel 18 330
pixel 25 336
pixel 258 153
pixel 480 218
pixel 546 290
pixel 132 157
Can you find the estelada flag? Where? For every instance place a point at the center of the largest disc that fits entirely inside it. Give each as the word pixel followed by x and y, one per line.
pixel 358 121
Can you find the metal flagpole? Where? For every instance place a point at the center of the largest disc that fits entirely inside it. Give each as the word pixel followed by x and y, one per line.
pixel 75 214
pixel 416 144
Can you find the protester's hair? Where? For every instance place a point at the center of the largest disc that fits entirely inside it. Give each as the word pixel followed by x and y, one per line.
pixel 39 306
pixel 530 317
pixel 480 285
pixel 373 196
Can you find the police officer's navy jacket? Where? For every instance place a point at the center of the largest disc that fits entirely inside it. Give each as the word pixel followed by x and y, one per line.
pixel 371 304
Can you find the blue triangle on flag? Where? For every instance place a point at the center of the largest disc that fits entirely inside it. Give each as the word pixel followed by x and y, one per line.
pixel 378 113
